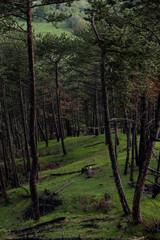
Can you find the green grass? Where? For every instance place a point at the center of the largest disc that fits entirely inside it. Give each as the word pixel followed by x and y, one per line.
pixel 44 28
pixel 82 200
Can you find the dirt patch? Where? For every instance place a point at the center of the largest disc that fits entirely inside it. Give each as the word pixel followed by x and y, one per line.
pixel 46 205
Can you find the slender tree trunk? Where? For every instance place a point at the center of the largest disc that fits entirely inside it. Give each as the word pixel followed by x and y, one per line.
pixel 158 168
pixel 143 132
pixel 116 174
pixel 109 139
pixel 95 109
pixel 55 122
pixel 59 110
pixel 4 193
pixel 136 211
pixel 24 120
pixel 3 146
pixel 33 140
pixel 128 129
pixel 8 127
pixel 133 153
pixel 44 117
pixel 86 111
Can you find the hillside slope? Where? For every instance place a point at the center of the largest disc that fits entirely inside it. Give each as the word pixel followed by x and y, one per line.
pixel 87 213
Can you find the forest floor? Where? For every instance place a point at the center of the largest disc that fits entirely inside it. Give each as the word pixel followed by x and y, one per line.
pixel 84 208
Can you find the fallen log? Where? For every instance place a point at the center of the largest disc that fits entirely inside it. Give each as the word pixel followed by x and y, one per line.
pixel 38 225
pixel 69 173
pixel 61 188
pixel 39 231
pixel 71 238
pixel 94 144
pixel 63 174
pixel 140 238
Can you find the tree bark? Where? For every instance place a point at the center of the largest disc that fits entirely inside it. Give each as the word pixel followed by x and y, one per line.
pixel 24 127
pixel 32 129
pixel 44 116
pixel 116 174
pixel 136 211
pixel 10 141
pixel 59 109
pixel 55 122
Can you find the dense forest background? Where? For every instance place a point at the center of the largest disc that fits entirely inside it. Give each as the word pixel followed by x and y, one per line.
pixel 78 69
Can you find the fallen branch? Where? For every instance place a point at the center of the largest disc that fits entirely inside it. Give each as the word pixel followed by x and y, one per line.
pixel 153 182
pixel 71 238
pixel 94 144
pixel 39 238
pixel 140 238
pixel 38 225
pixel 26 191
pixel 39 231
pixel 68 173
pixel 62 174
pixel 153 170
pixel 61 188
pixel 154 155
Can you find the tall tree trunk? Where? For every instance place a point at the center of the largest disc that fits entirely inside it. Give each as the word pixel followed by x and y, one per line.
pixel 44 116
pixel 3 148
pixel 4 193
pixel 55 122
pixel 32 129
pixel 143 132
pixel 24 120
pixel 133 153
pixel 95 109
pixel 136 211
pixel 10 141
pixel 128 131
pixel 109 139
pixel 59 110
pixel 116 174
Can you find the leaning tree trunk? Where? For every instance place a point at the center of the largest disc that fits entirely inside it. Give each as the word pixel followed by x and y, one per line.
pixel 116 174
pixel 32 129
pixel 59 110
pixel 136 211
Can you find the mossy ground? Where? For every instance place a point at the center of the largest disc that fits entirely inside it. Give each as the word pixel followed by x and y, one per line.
pixel 83 200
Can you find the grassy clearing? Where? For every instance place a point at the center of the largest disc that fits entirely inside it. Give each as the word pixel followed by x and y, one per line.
pixel 83 201
pixel 44 28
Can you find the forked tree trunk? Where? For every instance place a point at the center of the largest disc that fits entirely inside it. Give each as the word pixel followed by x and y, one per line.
pixel 32 129
pixel 136 211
